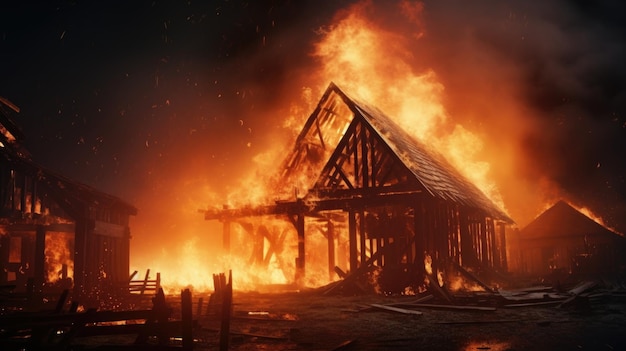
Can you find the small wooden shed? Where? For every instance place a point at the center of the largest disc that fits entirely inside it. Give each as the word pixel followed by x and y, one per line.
pixel 380 197
pixel 564 240
pixel 56 232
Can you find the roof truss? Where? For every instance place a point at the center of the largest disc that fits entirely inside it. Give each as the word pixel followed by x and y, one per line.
pixel 363 160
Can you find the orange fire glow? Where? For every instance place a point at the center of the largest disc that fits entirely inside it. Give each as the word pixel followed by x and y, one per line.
pixel 368 62
pixel 374 64
pixel 58 255
pixel 587 212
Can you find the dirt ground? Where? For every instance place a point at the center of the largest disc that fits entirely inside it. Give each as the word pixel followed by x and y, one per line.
pixel 310 320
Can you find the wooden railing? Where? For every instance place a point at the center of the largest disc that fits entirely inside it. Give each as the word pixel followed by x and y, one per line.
pixel 148 285
pixel 57 329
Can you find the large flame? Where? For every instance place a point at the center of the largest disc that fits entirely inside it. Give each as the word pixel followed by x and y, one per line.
pixel 377 63
pixel 58 256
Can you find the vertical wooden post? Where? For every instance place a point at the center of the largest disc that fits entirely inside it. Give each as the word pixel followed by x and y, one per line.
pixel 364 163
pixel 502 248
pixel 145 282
pixel 352 241
pixel 80 257
pixel 300 263
pixel 363 256
pixel 199 308
pixel 122 257
pixel 483 242
pixel 162 312
pixel 40 259
pixel 33 195
pixel 495 249
pixel 187 319
pixel 379 246
pixel 23 194
pixel 226 310
pixel 330 235
pixel 468 254
pixel 61 301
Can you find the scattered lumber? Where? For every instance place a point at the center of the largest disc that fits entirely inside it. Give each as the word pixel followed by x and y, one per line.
pixel 58 329
pixel 496 321
pixel 416 301
pixel 396 309
pixel 453 307
pixel 533 304
pixel 582 287
pixel 260 336
pixel 352 277
pixel 435 288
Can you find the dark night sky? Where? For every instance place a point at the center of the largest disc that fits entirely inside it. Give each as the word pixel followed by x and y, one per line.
pixel 124 95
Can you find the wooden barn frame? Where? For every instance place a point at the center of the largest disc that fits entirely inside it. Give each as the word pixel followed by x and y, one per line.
pixel 38 206
pixel 563 241
pixel 399 203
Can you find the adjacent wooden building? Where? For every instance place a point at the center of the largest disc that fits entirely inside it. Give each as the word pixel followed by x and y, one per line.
pixel 56 232
pixel 378 196
pixel 563 240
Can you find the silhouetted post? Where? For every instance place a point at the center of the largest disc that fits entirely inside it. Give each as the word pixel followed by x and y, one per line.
pixel 186 312
pixel 226 309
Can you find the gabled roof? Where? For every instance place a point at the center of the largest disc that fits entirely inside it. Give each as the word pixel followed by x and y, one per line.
pixel 562 220
pixel 331 128
pixel 10 134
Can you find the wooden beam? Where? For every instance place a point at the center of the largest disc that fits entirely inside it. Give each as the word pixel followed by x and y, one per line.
pixel 453 307
pixel 354 263
pixel 300 261
pixel 396 309
pixel 341 200
pixel 40 259
pixel 330 236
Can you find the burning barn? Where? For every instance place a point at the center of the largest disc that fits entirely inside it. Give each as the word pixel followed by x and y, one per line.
pixel 56 232
pixel 563 240
pixel 380 199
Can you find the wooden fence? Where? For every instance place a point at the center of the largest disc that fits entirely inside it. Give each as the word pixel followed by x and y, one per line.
pixel 146 285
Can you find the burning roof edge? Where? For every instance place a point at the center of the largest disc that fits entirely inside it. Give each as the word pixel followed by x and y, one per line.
pixel 564 220
pixel 15 152
pixel 73 189
pixel 431 175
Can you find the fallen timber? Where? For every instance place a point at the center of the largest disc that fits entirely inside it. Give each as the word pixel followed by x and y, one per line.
pixel 578 296
pixel 62 330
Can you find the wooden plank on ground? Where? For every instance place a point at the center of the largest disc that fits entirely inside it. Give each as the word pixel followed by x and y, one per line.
pixel 453 307
pixel 396 309
pixel 533 304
